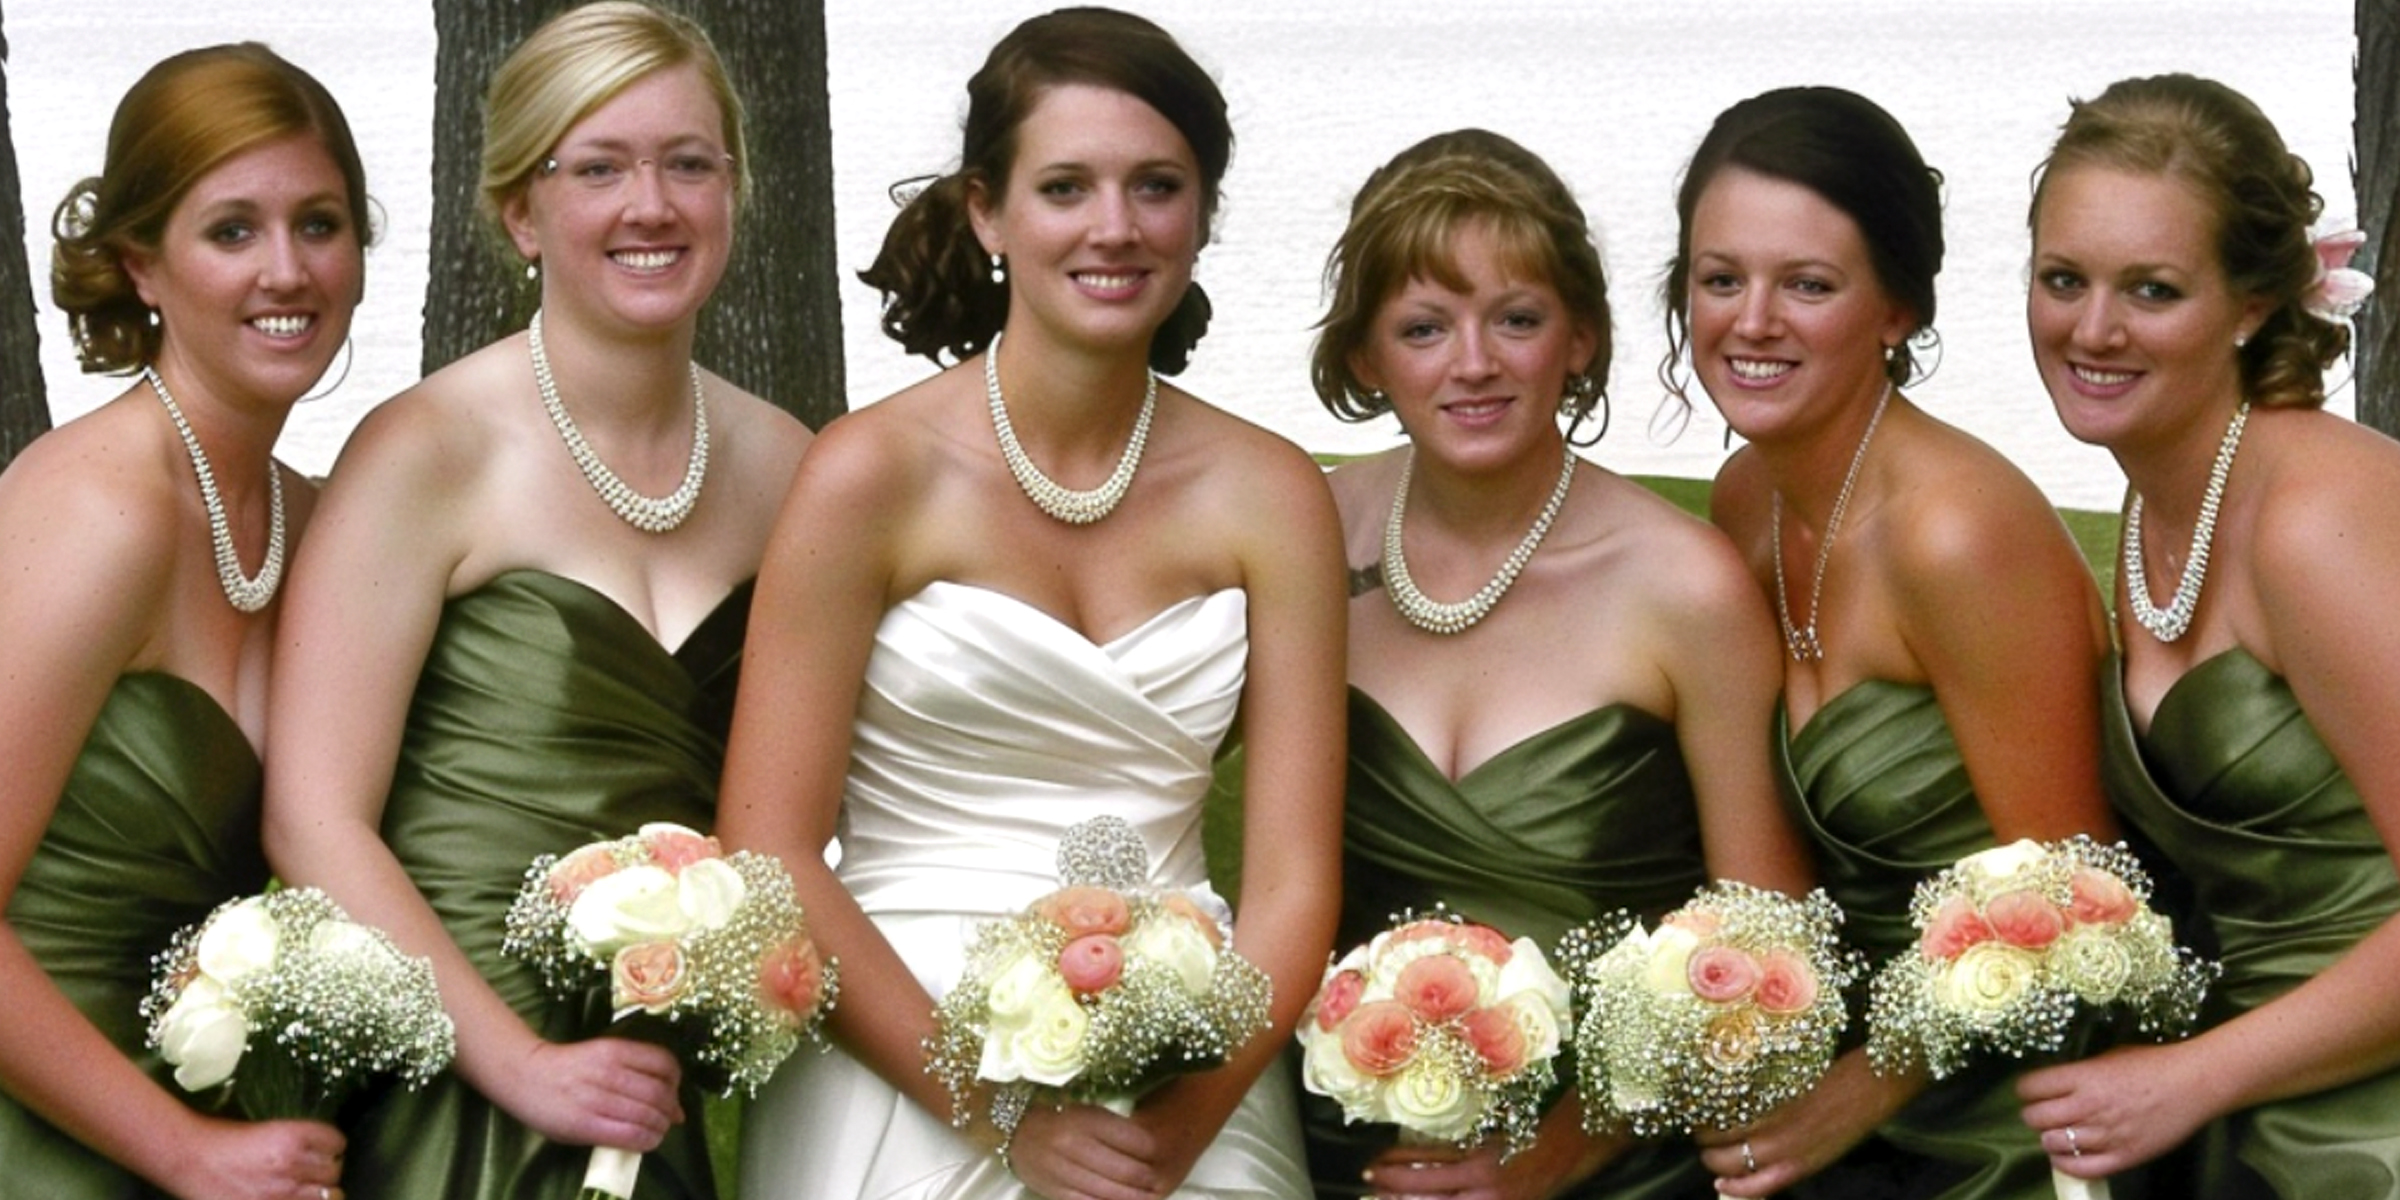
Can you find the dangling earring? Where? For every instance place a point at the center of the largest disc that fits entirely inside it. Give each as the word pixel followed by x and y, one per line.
pixel 999 269
pixel 533 270
pixel 153 315
pixel 349 354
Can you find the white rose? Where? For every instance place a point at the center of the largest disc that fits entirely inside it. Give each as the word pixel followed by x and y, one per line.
pixel 637 904
pixel 1985 980
pixel 1015 990
pixel 1528 973
pixel 2002 862
pixel 1431 1099
pixel 1669 971
pixel 202 1036
pixel 240 942
pixel 1049 1048
pixel 2092 963
pixel 1178 945
pixel 1541 1020
pixel 708 891
pixel 1326 1071
pixel 344 939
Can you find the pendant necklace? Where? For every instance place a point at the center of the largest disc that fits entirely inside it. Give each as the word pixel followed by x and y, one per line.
pixel 245 593
pixel 1064 503
pixel 1432 615
pixel 1801 640
pixel 2171 622
pixel 649 514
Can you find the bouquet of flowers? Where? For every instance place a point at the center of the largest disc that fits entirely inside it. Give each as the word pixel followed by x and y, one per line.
pixel 1731 1007
pixel 290 1006
pixel 2013 941
pixel 1445 1028
pixel 676 928
pixel 1099 991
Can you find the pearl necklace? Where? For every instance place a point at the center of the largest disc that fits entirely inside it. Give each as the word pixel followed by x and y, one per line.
pixel 1432 615
pixel 1801 640
pixel 648 514
pixel 1063 503
pixel 246 594
pixel 2176 619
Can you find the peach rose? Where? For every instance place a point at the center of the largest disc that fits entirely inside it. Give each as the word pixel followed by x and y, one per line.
pixel 1483 941
pixel 675 847
pixel 1497 1038
pixel 1732 1039
pixel 1091 963
pixel 1190 910
pixel 2100 898
pixel 570 875
pixel 1955 927
pixel 1436 987
pixel 649 976
pixel 1380 1038
pixel 2024 918
pixel 1086 910
pixel 1339 998
pixel 792 978
pixel 1785 982
pixel 1721 974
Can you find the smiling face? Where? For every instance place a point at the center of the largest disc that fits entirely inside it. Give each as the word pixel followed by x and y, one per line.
pixel 634 225
pixel 1099 219
pixel 1474 371
pixel 2132 318
pixel 1789 322
pixel 256 273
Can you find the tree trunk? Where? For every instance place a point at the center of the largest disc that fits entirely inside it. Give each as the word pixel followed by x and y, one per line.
pixel 774 326
pixel 24 403
pixel 2376 179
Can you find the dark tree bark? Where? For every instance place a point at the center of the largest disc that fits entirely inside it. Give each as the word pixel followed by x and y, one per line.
pixel 24 403
pixel 774 326
pixel 2376 178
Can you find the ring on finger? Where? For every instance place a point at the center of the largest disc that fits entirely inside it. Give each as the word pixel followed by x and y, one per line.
pixel 2073 1150
pixel 1749 1161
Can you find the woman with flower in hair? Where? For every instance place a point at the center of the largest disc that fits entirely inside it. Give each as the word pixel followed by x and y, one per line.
pixel 520 629
pixel 1623 762
pixel 2182 319
pixel 1943 638
pixel 217 257
pixel 1031 590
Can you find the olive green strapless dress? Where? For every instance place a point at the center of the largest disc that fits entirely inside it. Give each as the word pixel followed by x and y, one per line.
pixel 546 717
pixel 158 824
pixel 2287 873
pixel 1876 782
pixel 1592 815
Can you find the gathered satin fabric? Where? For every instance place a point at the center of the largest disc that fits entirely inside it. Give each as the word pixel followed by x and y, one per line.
pixel 985 730
pixel 2286 872
pixel 546 717
pixel 1876 782
pixel 157 825
pixel 1589 816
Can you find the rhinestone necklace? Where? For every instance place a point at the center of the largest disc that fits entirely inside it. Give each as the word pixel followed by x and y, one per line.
pixel 1432 615
pixel 244 593
pixel 646 513
pixel 2172 622
pixel 1062 503
pixel 1801 640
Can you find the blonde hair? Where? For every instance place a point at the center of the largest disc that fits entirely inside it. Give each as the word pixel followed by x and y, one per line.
pixel 576 62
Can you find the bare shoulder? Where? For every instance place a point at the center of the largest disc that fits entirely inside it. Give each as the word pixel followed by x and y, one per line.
pixel 91 516
pixel 436 438
pixel 759 427
pixel 1273 474
pixel 1684 563
pixel 1362 487
pixel 1959 511
pixel 2323 499
pixel 883 454
pixel 1737 498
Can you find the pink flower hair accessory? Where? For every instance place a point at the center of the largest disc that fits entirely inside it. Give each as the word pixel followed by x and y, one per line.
pixel 2338 290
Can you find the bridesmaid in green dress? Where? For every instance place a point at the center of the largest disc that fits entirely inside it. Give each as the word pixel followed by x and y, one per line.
pixel 218 255
pixel 1576 725
pixel 2181 320
pixel 1943 638
pixel 517 628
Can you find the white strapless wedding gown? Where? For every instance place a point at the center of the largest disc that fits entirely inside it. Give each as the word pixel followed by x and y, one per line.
pixel 985 730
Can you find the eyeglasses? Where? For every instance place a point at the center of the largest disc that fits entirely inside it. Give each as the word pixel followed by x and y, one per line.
pixel 696 170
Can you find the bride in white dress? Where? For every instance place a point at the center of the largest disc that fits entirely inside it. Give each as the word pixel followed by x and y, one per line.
pixel 953 658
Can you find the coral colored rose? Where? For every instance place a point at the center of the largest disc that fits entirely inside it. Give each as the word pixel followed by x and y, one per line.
pixel 1498 1039
pixel 1190 910
pixel 1785 982
pixel 792 979
pixel 1091 963
pixel 1339 998
pixel 676 847
pixel 1436 987
pixel 649 976
pixel 570 875
pixel 2100 898
pixel 1955 927
pixel 1483 941
pixel 2024 918
pixel 1380 1037
pixel 1083 910
pixel 1721 974
pixel 1699 922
